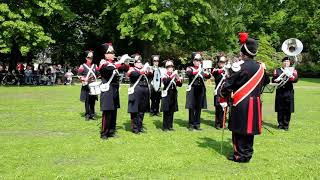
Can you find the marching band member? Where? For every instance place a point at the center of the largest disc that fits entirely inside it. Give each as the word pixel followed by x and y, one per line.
pixel 196 92
pixel 244 85
pixel 139 95
pixel 109 97
pixel 217 74
pixel 169 103
pixel 284 102
pixel 87 74
pixel 156 85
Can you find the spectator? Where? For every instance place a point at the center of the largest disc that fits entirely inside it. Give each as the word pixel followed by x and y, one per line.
pixel 68 77
pixel 53 74
pixel 28 77
pixel 60 74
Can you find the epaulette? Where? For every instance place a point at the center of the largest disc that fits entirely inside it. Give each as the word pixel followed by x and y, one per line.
pixel 236 66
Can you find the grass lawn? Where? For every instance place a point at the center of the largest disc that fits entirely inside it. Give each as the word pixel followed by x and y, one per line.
pixel 44 136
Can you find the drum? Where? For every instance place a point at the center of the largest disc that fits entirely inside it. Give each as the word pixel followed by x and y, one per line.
pixel 94 88
pixel 206 64
pixel 156 79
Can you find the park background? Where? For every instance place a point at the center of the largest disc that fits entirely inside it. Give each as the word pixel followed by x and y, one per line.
pixel 60 30
pixel 43 134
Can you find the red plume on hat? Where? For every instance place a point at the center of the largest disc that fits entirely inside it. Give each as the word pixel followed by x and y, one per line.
pixel 243 37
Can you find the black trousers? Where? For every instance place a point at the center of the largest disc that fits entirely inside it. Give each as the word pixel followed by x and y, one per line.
pixel 137 122
pixel 168 119
pixel 284 119
pixel 89 105
pixel 109 121
pixel 219 117
pixel 242 147
pixel 155 102
pixel 194 117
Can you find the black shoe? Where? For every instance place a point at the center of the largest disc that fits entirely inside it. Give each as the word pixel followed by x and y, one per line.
pixel 93 117
pixel 231 158
pixel 87 117
pixel 190 128
pixel 217 127
pixel 171 129
pixel 198 128
pixel 135 131
pixel 165 130
pixel 242 160
pixel 104 137
pixel 142 130
pixel 113 135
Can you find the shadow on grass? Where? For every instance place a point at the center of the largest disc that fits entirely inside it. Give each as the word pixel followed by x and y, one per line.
pixel 158 124
pixel 181 122
pixel 274 126
pixel 98 116
pixel 127 126
pixel 185 123
pixel 207 122
pixel 210 143
pixel 209 111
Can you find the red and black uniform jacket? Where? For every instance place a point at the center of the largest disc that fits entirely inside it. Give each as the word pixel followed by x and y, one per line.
pixel 196 97
pixel 170 102
pixel 139 101
pixel 284 101
pixel 217 74
pixel 246 86
pixel 109 100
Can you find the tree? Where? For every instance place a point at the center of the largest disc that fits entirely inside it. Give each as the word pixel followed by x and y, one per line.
pixel 20 30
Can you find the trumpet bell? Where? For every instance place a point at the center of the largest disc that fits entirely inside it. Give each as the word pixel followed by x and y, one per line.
pixel 292 47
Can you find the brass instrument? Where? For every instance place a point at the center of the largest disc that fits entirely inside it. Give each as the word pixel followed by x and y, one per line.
pixel 291 47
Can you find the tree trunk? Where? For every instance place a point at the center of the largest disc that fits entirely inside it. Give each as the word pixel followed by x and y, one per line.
pixel 15 57
pixel 147 51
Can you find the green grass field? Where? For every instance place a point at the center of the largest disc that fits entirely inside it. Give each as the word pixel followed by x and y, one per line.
pixel 44 136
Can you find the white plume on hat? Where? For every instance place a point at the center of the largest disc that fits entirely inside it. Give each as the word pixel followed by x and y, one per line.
pixel 169 63
pixel 90 54
pixel 110 48
pixel 197 56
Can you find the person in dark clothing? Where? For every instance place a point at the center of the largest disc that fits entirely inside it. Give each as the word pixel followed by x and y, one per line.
pixel 196 92
pixel 155 86
pixel 244 86
pixel 109 97
pixel 139 93
pixel 169 103
pixel 87 74
pixel 284 101
pixel 217 74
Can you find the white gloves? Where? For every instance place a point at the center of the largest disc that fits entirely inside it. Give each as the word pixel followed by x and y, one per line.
pixel 223 105
pixel 123 58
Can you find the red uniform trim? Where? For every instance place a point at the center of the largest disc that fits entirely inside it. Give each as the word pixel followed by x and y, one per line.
pixel 81 69
pixel 259 114
pixel 248 87
pixel 250 116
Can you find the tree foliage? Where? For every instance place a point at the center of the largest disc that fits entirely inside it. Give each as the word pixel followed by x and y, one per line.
pixel 172 28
